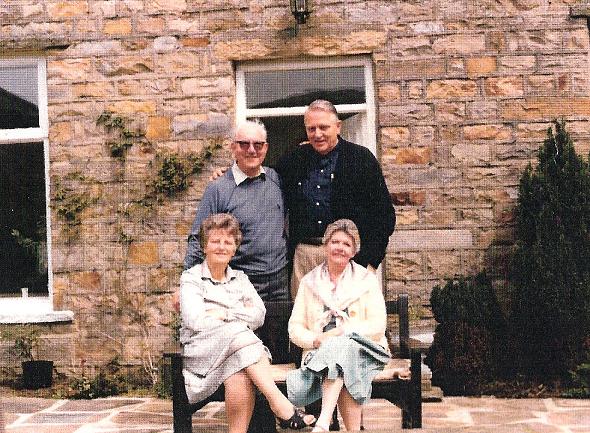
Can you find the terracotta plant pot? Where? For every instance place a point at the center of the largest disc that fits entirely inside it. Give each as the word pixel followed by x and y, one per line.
pixel 37 374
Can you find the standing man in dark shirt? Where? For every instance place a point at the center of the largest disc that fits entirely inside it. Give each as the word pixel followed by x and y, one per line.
pixel 327 179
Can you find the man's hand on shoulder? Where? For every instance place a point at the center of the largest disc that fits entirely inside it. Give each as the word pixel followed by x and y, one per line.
pixel 218 172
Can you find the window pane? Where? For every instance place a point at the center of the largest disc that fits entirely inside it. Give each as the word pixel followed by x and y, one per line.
pixel 19 106
pixel 296 88
pixel 23 255
pixel 283 135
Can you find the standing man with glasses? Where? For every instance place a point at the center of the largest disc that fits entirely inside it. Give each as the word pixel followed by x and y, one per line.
pixel 252 193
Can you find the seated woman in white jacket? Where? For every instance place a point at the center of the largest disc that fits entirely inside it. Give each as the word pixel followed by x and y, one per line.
pixel 339 319
pixel 220 309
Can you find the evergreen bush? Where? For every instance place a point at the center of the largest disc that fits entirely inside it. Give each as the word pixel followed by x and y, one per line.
pixel 580 377
pixel 550 270
pixel 467 350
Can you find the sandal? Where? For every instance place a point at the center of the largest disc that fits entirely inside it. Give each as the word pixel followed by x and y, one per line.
pixel 296 422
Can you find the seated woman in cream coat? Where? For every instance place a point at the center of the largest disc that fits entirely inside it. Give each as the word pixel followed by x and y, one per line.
pixel 220 309
pixel 339 319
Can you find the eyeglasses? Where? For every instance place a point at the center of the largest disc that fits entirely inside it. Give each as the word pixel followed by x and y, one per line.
pixel 245 145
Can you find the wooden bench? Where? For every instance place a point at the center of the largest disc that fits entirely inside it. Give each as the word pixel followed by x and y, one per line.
pixel 406 394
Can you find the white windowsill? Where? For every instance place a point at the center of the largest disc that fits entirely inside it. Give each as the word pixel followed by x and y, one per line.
pixel 31 310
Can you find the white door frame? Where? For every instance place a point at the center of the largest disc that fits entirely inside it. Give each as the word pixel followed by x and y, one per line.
pixel 368 108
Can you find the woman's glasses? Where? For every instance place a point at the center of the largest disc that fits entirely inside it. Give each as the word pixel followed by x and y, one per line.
pixel 245 145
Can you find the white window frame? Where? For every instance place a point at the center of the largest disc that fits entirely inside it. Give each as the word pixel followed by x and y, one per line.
pixel 368 108
pixel 20 309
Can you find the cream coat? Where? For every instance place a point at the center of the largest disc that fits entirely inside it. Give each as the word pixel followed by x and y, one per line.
pixel 366 313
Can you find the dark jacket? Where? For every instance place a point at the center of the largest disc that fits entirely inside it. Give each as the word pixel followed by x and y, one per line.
pixel 359 193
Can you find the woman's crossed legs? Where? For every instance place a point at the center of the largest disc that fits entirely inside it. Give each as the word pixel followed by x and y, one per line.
pixel 240 395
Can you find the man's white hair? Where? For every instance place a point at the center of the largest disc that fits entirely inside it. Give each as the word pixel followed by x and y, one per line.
pixel 255 123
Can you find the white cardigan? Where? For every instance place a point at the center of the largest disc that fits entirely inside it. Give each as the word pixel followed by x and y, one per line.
pixel 358 290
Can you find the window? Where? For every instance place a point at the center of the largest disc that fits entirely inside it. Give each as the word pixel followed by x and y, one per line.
pixel 25 271
pixel 278 92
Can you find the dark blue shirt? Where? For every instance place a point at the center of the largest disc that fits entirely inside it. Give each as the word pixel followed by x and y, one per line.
pixel 317 190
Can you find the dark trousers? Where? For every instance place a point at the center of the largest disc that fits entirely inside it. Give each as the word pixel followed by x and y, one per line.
pixel 274 335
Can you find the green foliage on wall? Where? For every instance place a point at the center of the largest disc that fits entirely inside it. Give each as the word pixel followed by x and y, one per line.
pixel 175 170
pixel 69 204
pixel 123 136
pixel 24 341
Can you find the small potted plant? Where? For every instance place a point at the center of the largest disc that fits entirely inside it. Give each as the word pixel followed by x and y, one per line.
pixel 36 373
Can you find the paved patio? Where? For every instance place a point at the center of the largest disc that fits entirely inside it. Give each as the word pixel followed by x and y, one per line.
pixel 149 415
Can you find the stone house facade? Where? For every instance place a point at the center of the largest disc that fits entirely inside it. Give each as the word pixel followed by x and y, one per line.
pixel 462 91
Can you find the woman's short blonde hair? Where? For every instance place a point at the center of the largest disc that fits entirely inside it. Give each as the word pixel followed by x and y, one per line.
pixel 346 226
pixel 223 221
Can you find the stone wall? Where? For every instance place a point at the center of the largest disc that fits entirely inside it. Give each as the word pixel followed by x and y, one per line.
pixel 466 90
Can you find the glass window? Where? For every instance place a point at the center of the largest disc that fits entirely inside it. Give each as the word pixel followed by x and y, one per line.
pixel 278 92
pixel 19 105
pixel 23 187
pixel 23 256
pixel 299 87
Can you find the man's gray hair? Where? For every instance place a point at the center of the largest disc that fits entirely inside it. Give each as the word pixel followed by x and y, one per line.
pixel 347 227
pixel 250 122
pixel 322 105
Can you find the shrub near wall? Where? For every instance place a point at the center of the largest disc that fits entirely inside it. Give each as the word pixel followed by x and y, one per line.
pixel 551 264
pixel 469 340
pixel 545 339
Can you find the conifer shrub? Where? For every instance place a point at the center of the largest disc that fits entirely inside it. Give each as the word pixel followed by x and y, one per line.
pixel 580 377
pixel 469 340
pixel 550 271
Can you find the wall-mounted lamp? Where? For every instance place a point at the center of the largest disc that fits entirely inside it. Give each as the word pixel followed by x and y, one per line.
pixel 300 10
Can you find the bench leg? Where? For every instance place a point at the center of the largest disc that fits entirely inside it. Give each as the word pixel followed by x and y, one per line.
pixel 180 406
pixel 183 423
pixel 412 410
pixel 263 420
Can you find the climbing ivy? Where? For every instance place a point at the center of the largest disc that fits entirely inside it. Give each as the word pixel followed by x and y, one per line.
pixel 125 137
pixel 175 170
pixel 69 204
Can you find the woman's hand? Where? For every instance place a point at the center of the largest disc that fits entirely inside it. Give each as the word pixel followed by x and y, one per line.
pixel 320 338
pixel 217 313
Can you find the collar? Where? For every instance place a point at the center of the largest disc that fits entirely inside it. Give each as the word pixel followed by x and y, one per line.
pixel 230 274
pixel 349 288
pixel 240 176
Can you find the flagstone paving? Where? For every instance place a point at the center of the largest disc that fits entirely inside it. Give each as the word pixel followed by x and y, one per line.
pixel 150 415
